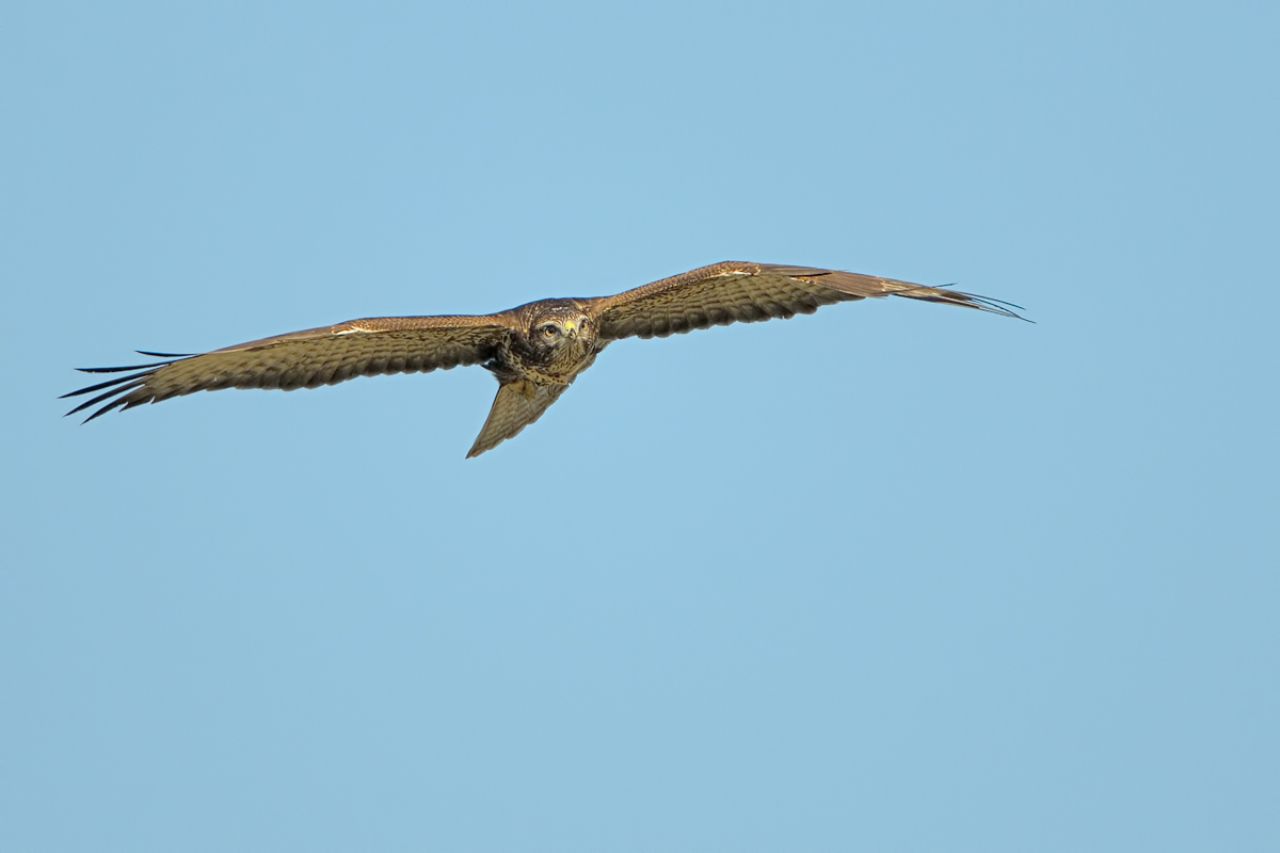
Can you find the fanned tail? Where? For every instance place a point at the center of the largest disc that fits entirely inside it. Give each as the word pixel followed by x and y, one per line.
pixel 518 404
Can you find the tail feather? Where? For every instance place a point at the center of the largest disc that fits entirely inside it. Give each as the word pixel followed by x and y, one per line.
pixel 519 403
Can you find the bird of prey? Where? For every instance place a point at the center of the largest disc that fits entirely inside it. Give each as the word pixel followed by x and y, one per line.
pixel 535 350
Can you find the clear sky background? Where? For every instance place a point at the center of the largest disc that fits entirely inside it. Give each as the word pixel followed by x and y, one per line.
pixel 893 577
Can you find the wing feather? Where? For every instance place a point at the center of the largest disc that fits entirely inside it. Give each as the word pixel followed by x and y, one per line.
pixel 306 359
pixel 739 291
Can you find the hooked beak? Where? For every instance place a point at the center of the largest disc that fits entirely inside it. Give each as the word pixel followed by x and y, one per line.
pixel 571 328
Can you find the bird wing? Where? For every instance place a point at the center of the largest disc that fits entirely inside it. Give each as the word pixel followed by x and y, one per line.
pixel 733 291
pixel 305 359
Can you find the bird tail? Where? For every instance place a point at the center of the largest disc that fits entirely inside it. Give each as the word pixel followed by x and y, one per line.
pixel 518 404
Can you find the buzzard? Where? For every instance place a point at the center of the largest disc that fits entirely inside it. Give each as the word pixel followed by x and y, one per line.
pixel 535 350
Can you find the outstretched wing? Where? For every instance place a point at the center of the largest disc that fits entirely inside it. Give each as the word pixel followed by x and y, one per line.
pixel 734 291
pixel 305 359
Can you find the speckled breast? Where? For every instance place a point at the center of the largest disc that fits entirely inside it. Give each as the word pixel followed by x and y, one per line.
pixel 561 369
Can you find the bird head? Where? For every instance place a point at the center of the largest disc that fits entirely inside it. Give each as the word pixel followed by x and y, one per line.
pixel 562 328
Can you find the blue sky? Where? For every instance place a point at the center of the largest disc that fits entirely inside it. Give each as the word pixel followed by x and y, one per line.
pixel 892 577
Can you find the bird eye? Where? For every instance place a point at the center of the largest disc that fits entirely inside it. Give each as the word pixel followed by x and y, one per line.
pixel 550 330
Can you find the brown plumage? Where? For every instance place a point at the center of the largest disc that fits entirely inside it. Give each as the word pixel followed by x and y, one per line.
pixel 534 350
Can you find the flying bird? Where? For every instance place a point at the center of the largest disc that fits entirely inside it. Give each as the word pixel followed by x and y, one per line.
pixel 534 350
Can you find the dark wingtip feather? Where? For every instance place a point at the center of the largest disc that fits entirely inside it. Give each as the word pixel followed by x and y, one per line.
pixel 119 386
pixel 155 365
pixel 964 299
pixel 91 388
pixel 165 354
pixel 105 395
pixel 119 369
pixel 102 411
pixel 996 306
